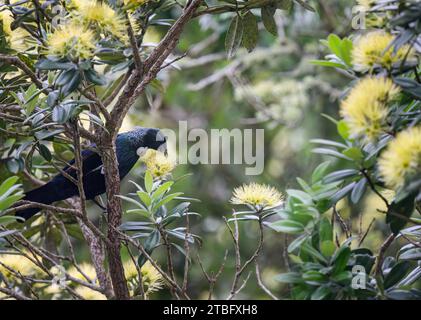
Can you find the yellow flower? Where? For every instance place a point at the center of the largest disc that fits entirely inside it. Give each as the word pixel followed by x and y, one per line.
pixel 17 263
pixel 135 3
pixel 366 107
pixel 87 270
pixel 402 158
pixel 366 4
pixel 101 15
pixel 373 49
pixel 157 163
pixel 257 195
pixel 71 40
pixel 151 278
pixel 15 38
pixel 89 294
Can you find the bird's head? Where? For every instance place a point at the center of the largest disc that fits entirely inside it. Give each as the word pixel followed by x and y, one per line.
pixel 150 138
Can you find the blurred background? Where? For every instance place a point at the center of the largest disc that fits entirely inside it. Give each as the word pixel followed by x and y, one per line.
pixel 274 88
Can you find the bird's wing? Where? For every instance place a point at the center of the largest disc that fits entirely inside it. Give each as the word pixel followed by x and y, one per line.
pixel 91 162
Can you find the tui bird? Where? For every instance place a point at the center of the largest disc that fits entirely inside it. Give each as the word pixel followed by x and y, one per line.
pixel 61 188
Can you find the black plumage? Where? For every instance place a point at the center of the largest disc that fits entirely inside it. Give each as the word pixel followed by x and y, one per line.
pixel 61 188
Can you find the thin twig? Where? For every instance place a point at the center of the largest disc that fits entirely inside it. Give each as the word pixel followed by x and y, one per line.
pixel 262 285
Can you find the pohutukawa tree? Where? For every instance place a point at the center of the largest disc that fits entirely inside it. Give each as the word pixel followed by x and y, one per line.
pixel 71 71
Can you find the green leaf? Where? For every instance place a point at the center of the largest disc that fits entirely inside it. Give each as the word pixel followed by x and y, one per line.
pixel 45 152
pixel 320 293
pixel 346 50
pixel 354 154
pixel 46 64
pixel 343 129
pixel 144 197
pixel 340 175
pixel 180 209
pixel 330 152
pixel 335 44
pixel 300 195
pixel 412 254
pixel 7 184
pixel 399 213
pixel 313 252
pixel 150 243
pixel 327 248
pixel 9 201
pixel 65 76
pixel 234 36
pixel 342 193
pixel 7 233
pixel 319 172
pixel 398 272
pixel 269 20
pixel 148 181
pixel 162 189
pixel 290 277
pixel 329 143
pixel 251 31
pixel 325 63
pixel 47 135
pixel 142 212
pixel 5 220
pixel 341 260
pixel 287 226
pixel 409 85
pixel 10 193
pixel 13 165
pixel 166 199
pixel 72 84
pixel 325 230
pixel 95 77
pixel 133 201
pixel 52 98
pixel 314 277
pixel 296 243
pixel 358 190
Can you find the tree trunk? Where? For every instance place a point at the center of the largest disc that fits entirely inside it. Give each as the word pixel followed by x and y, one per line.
pixel 114 209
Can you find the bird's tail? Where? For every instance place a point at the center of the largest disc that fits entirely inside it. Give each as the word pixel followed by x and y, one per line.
pixel 45 195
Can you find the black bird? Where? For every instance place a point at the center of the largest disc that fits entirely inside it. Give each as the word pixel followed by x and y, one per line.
pixel 61 188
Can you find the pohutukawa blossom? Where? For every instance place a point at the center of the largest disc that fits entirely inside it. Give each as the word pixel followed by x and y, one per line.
pixel 367 106
pixel 401 161
pixel 18 264
pixel 366 4
pixel 257 195
pixel 157 163
pixel 151 278
pixel 87 270
pixel 102 16
pixel 73 41
pixel 16 38
pixel 374 49
pixel 89 294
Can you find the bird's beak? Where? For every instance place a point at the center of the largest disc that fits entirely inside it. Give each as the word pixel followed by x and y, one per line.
pixel 163 148
pixel 141 151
